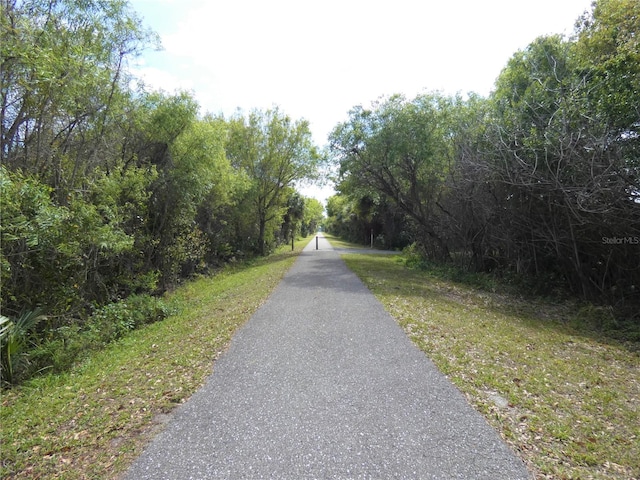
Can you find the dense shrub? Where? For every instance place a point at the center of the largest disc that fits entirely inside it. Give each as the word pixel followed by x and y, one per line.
pixel 67 344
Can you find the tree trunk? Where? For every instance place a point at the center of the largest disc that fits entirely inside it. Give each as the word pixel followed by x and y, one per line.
pixel 262 222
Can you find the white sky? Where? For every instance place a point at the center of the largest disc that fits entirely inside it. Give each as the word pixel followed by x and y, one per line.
pixel 316 59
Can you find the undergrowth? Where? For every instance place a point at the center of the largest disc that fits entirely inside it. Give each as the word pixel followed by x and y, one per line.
pixel 58 349
pixel 616 322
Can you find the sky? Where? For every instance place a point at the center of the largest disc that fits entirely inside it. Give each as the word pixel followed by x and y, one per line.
pixel 317 59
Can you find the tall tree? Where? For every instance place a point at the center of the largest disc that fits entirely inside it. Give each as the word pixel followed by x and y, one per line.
pixel 567 145
pixel 313 215
pixel 400 149
pixel 607 48
pixel 274 152
pixel 62 67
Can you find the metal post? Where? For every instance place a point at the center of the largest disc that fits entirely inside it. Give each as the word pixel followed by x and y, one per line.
pixel 316 242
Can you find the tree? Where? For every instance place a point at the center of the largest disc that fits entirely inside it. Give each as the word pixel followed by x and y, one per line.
pixel 293 216
pixel 62 69
pixel 194 181
pixel 541 178
pixel 607 50
pixel 312 217
pixel 400 149
pixel 470 214
pixel 566 165
pixel 273 152
pixel 539 159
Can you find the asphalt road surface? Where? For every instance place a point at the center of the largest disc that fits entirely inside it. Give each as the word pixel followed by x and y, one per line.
pixel 321 383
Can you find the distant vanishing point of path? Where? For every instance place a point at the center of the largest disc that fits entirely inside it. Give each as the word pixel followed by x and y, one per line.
pixel 321 383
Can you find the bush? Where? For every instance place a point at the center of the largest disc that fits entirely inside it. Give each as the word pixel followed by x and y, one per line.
pixel 415 258
pixel 67 344
pixel 116 319
pixel 65 258
pixel 14 342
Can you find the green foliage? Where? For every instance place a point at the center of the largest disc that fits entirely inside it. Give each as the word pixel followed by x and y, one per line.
pixel 273 151
pixel 116 319
pixel 68 344
pixel 357 216
pixel 62 72
pixel 312 216
pixel 567 165
pixel 58 256
pixel 608 50
pixel 399 149
pixel 347 219
pixel 414 258
pixel 34 239
pixel 14 344
pixel 195 185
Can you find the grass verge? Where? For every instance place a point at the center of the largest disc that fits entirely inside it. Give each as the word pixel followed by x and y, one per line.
pixel 565 401
pixel 94 420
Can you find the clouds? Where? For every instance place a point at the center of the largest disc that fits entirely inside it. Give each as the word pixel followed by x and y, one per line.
pixel 159 79
pixel 317 59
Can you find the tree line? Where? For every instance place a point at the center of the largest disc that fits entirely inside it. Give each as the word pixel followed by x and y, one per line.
pixel 110 193
pixel 540 179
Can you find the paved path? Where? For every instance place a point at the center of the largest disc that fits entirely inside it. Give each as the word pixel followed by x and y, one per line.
pixel 322 383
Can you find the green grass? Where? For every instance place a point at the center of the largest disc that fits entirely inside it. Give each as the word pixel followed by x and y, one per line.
pixel 337 242
pixel 94 420
pixel 573 399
